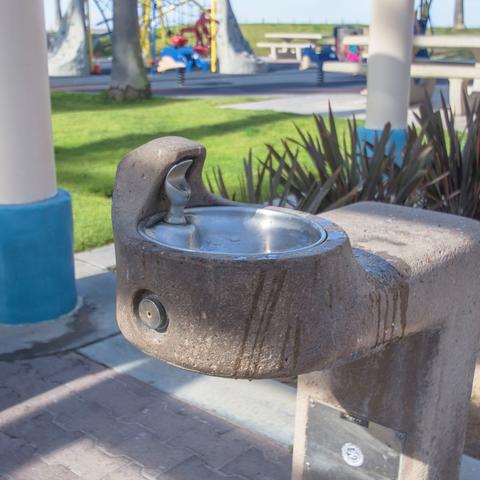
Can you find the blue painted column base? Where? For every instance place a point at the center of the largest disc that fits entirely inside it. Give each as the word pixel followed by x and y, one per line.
pixel 398 138
pixel 37 277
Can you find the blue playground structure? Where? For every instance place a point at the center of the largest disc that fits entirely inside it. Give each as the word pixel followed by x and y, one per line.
pixel 182 58
pixel 186 55
pixel 326 53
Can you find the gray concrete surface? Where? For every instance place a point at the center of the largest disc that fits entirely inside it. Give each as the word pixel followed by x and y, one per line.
pixel 344 104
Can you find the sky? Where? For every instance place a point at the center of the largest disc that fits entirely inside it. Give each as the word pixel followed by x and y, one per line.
pixel 317 11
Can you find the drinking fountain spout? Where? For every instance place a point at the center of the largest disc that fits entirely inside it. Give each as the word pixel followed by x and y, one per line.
pixel 178 192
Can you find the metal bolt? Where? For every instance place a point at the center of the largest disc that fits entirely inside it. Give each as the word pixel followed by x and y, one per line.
pixel 152 313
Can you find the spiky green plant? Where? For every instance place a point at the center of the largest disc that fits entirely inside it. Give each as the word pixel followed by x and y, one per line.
pixel 453 184
pixel 321 171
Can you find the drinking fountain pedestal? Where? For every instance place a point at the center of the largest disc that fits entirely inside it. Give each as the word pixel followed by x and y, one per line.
pixel 400 413
pixel 374 306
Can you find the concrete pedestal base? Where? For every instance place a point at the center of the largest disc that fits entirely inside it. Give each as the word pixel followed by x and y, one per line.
pixel 37 280
pixel 400 412
pixel 398 139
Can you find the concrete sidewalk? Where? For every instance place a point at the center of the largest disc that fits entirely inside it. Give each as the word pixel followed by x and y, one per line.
pixel 344 104
pixel 78 401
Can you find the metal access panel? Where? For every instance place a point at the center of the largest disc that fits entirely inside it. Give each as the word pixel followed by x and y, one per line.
pixel 340 446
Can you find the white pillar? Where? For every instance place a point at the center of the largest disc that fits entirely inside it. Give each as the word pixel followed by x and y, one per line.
pixel 389 60
pixel 27 167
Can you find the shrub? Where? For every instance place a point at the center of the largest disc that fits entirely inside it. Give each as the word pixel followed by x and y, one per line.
pixel 453 179
pixel 321 171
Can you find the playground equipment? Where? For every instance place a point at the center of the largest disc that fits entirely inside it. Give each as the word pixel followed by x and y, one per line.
pixel 204 23
pixel 184 58
pixel 227 45
pixel 332 53
pixel 234 54
pixel 423 18
pixel 174 22
pixel 201 30
pixel 70 51
pixel 384 335
pixel 318 56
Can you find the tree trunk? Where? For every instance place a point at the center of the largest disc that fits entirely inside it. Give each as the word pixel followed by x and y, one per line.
pixel 458 19
pixel 128 79
pixel 58 13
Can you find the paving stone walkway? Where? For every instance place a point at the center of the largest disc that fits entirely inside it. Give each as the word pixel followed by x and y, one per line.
pixel 66 417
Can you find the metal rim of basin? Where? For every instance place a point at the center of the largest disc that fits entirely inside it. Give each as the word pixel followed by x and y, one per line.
pixel 238 232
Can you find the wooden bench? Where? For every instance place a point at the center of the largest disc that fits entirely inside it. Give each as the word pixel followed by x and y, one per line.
pixel 284 47
pixel 457 75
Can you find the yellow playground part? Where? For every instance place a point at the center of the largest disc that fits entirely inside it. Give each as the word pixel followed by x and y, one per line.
pixel 159 18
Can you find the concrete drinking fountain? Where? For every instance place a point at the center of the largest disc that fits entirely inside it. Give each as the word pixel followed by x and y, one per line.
pixel 379 319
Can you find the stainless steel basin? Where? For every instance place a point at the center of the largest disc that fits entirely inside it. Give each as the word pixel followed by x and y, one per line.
pixel 237 231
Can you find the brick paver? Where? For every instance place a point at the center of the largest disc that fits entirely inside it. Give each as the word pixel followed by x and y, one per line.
pixel 254 464
pixel 67 417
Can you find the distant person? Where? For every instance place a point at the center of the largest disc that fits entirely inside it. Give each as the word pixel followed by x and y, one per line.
pixel 353 54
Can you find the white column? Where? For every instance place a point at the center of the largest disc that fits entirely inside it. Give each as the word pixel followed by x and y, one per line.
pixel 476 82
pixel 389 60
pixel 27 167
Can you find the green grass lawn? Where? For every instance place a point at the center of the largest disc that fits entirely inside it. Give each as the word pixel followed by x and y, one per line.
pixel 92 134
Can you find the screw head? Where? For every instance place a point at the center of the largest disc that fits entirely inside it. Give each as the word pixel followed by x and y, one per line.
pixel 152 313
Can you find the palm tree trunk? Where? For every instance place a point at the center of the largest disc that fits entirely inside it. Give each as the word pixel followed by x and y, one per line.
pixel 128 80
pixel 458 19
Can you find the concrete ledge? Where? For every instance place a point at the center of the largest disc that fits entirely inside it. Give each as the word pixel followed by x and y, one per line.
pixel 37 280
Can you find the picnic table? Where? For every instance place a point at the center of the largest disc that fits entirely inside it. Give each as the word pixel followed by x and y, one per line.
pixel 457 74
pixel 467 42
pixel 287 42
pixel 314 37
pixel 471 42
